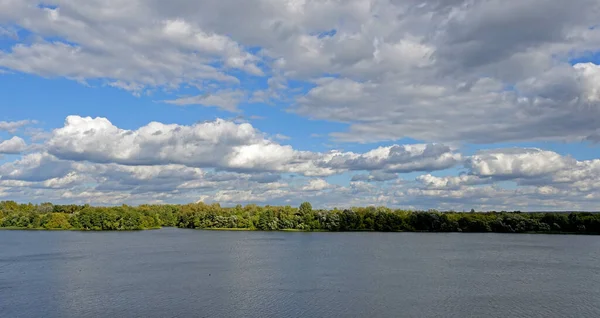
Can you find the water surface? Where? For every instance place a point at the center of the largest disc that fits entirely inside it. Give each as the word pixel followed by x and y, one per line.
pixel 190 273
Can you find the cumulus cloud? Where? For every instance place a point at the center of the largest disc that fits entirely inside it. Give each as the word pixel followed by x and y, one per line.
pixel 219 143
pixel 15 145
pixel 316 185
pixel 544 180
pixel 35 167
pixel 517 163
pixel 536 167
pixel 450 182
pixel 226 145
pixel 396 158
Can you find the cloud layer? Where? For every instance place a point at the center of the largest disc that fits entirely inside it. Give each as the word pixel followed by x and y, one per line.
pixel 442 74
pixel 91 160
pixel 436 71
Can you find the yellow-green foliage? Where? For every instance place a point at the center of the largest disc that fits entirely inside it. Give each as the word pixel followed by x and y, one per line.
pixel 57 221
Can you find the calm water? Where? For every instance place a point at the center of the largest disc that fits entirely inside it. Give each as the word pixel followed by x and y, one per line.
pixel 188 273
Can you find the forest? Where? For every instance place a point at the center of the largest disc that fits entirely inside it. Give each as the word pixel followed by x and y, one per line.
pixel 286 218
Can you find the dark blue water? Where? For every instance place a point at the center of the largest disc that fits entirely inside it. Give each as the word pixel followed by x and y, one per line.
pixel 189 273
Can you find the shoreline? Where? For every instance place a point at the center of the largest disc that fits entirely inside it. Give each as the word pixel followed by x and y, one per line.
pixel 304 218
pixel 286 230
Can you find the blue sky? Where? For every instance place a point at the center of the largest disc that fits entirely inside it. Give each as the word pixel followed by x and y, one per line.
pixel 341 104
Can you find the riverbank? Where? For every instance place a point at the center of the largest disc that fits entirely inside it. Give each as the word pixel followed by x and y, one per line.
pixel 284 230
pixel 275 218
pixel 12 228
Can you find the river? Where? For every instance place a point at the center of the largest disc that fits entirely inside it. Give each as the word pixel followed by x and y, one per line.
pixel 190 273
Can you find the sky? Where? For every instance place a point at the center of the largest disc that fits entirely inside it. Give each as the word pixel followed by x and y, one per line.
pixel 442 104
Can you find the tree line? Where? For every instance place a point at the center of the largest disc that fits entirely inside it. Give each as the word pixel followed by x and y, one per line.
pixel 274 218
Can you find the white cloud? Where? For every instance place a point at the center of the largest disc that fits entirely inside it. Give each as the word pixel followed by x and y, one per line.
pixel 15 145
pixel 70 179
pixel 517 163
pixel 282 137
pixel 535 167
pixel 13 126
pixel 589 74
pixel 396 158
pixel 219 143
pixel 316 185
pixel 450 182
pixel 226 100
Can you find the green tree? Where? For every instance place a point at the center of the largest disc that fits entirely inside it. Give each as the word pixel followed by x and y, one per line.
pixel 57 221
pixel 305 208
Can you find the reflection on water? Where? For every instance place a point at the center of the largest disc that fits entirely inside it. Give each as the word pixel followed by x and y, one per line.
pixel 183 273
